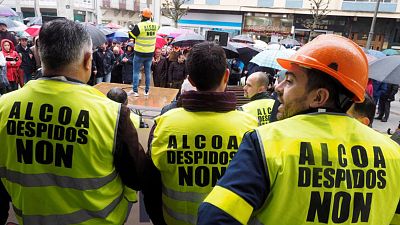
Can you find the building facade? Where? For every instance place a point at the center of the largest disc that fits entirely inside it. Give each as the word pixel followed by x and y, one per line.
pixel 271 20
pixel 121 12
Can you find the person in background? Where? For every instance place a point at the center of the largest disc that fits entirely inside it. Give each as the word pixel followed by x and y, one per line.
pixel 145 43
pixel 5 34
pixel 4 84
pixel 35 52
pixel 13 62
pixel 384 101
pixel 313 153
pixel 262 103
pixel 28 63
pixel 116 72
pixel 237 67
pixel 177 72
pixel 104 60
pixel 177 102
pixel 207 128
pixel 159 66
pixel 127 64
pixel 364 111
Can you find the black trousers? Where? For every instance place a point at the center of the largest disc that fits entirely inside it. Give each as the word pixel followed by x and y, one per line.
pixel 384 108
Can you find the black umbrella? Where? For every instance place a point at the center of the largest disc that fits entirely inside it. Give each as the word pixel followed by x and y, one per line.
pixel 230 51
pixel 243 39
pixel 186 40
pixel 246 52
pixel 97 36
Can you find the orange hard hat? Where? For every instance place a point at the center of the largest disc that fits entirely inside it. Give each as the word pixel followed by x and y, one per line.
pixel 336 56
pixel 147 13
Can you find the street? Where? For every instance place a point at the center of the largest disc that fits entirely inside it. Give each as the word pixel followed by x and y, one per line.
pixel 394 118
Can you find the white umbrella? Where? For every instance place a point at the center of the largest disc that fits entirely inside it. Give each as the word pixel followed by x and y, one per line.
pixel 20 27
pixel 268 58
pixel 386 69
pixel 167 30
pixel 260 44
pixel 275 46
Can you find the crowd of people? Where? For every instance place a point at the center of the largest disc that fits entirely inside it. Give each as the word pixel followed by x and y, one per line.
pixel 302 152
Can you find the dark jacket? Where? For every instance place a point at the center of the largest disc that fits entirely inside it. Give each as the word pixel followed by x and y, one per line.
pixel 160 72
pixel 127 67
pixel 104 60
pixel 390 92
pixel 9 36
pixel 28 63
pixel 191 101
pixel 176 72
pixel 379 88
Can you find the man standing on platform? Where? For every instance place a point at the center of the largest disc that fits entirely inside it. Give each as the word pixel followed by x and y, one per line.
pixel 145 41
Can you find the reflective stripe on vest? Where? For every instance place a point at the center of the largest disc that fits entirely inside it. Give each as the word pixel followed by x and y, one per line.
pixel 63 156
pixel 260 108
pixel 145 42
pixel 76 217
pixel 231 203
pixel 48 179
pixel 183 145
pixel 339 170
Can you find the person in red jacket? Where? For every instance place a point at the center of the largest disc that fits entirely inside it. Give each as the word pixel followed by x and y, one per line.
pixel 13 62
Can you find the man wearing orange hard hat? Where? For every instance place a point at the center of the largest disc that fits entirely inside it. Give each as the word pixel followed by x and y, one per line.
pixel 145 44
pixel 316 165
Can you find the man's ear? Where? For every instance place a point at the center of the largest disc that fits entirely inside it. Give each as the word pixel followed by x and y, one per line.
pixel 226 75
pixel 319 98
pixel 87 61
pixel 364 120
pixel 191 81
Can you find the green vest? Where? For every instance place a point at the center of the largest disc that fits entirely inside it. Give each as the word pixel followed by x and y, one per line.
pixel 192 151
pixel 56 159
pixel 328 169
pixel 260 108
pixel 145 42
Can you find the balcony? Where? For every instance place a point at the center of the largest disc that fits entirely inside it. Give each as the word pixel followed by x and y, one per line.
pixel 294 4
pixel 369 6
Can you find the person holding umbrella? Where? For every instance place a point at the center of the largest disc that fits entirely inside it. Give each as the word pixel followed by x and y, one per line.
pixel 145 42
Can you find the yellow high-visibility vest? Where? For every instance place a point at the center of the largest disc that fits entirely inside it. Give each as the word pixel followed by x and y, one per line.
pixel 323 169
pixel 260 108
pixel 145 42
pixel 192 151
pixel 56 161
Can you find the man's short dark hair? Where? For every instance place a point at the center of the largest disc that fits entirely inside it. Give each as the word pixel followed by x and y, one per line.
pixel 62 42
pixel 339 97
pixel 206 64
pixel 365 109
pixel 118 95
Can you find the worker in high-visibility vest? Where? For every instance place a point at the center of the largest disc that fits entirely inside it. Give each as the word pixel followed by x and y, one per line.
pixel 192 145
pixel 67 151
pixel 144 34
pixel 262 103
pixel 316 165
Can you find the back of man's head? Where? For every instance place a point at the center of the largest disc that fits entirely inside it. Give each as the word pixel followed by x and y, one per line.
pixel 63 42
pixel 118 95
pixel 364 111
pixel 206 64
pixel 261 79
